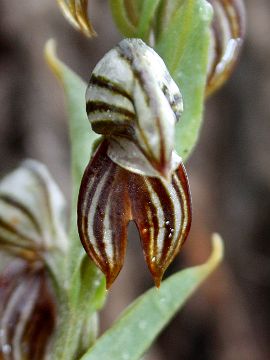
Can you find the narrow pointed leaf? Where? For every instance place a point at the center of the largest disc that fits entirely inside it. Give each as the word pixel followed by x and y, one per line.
pixel 142 321
pixel 121 18
pixel 146 18
pixel 183 45
pixel 81 136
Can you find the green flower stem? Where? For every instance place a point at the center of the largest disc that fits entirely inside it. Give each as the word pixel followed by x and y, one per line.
pixel 184 46
pixel 147 14
pixel 84 296
pixel 121 18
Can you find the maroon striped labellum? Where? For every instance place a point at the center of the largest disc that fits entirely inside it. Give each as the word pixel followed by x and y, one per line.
pixel 134 174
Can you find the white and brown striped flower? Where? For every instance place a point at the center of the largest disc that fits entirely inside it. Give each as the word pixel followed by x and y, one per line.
pixel 33 242
pixel 134 174
pixel 227 35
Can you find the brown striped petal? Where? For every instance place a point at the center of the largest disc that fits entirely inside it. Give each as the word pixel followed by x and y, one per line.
pixel 162 212
pixel 227 34
pixel 75 12
pixel 27 312
pixel 104 212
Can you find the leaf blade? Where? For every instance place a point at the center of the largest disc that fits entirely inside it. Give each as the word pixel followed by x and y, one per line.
pixel 140 323
pixel 121 18
pixel 82 138
pixel 187 59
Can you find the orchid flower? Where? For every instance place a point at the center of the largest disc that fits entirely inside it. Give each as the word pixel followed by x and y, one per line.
pixel 134 173
pixel 33 234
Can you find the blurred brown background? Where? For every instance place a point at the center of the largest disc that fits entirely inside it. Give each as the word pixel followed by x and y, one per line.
pixel 229 317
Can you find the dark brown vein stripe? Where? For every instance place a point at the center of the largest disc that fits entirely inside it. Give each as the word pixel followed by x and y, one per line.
pixel 98 214
pixel 28 241
pixel 106 83
pixel 150 217
pixel 100 106
pixel 144 213
pixel 126 52
pixel 43 180
pixel 168 210
pixel 23 209
pixel 108 127
pixel 169 218
pixel 118 216
pixel 186 202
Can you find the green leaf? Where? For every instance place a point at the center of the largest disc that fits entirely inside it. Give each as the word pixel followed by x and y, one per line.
pixel 141 322
pixel 165 12
pixel 183 45
pixel 82 138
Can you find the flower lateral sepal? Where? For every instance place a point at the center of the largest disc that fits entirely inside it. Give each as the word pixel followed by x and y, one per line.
pixel 27 311
pixel 104 213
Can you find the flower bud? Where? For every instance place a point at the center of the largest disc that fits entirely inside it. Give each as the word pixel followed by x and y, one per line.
pixel 227 34
pixel 75 12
